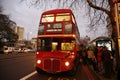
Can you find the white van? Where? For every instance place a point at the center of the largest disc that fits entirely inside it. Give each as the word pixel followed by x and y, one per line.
pixel 8 50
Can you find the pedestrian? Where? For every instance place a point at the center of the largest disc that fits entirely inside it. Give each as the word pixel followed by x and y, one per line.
pixel 94 64
pixel 118 70
pixel 107 62
pixel 92 59
pixel 112 61
pixel 90 55
pixel 99 59
pixel 84 56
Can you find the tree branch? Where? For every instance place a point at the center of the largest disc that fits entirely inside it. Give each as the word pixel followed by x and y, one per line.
pixel 98 8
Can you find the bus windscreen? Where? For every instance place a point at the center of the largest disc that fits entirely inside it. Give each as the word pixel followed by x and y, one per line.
pixel 55 44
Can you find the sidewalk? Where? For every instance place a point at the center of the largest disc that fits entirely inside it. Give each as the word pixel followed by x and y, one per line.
pixel 100 76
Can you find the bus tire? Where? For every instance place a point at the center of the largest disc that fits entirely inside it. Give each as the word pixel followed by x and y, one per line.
pixel 72 72
pixel 39 70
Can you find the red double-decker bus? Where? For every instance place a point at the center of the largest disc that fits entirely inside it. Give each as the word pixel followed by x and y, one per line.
pixel 58 42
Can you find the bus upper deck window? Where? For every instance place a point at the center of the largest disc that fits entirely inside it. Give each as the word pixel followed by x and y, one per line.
pixel 41 29
pixel 73 19
pixel 63 17
pixel 68 28
pixel 48 18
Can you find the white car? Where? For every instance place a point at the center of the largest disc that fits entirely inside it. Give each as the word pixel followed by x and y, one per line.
pixel 28 50
pixel 18 50
pixel 8 50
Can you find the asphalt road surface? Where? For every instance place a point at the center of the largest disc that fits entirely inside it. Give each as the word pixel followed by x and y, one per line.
pixel 13 68
pixel 22 68
pixel 80 75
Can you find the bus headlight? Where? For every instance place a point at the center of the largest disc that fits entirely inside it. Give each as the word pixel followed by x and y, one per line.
pixel 38 61
pixel 67 63
pixel 37 53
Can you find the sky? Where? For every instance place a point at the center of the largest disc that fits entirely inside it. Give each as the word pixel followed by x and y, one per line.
pixel 28 17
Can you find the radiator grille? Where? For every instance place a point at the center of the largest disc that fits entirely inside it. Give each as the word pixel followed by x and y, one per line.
pixel 52 65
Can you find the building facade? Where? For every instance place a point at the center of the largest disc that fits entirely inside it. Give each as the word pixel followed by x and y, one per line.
pixel 34 43
pixel 20 31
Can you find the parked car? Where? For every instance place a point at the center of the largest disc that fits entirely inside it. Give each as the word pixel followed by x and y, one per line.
pixel 8 50
pixel 29 50
pixel 18 50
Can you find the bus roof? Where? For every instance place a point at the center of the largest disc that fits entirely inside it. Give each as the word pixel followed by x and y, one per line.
pixel 55 11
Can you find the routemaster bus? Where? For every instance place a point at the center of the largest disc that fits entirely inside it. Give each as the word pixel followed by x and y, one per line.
pixel 58 42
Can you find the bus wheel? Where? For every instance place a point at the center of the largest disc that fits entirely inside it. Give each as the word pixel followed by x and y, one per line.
pixel 39 70
pixel 72 72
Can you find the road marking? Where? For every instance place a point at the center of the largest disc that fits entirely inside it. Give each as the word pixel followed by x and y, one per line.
pixel 29 75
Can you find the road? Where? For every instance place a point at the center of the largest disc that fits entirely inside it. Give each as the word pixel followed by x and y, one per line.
pixel 80 75
pixel 22 68
pixel 16 67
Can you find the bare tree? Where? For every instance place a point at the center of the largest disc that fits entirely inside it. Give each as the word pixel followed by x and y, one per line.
pixel 107 7
pixel 97 10
pixel 7 35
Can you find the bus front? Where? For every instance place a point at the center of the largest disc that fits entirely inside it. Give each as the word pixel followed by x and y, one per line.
pixel 56 44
